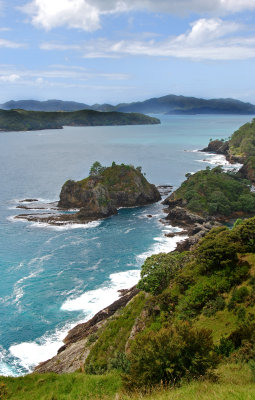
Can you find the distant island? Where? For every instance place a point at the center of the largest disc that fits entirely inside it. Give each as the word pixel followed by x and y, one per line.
pixel 23 120
pixel 170 104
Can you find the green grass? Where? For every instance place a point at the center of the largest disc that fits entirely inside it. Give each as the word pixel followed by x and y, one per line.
pixel 234 383
pixel 75 386
pixel 114 336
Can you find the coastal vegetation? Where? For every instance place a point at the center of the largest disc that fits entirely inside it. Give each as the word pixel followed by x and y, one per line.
pixel 190 332
pixel 21 120
pixel 240 147
pixel 216 193
pixel 192 336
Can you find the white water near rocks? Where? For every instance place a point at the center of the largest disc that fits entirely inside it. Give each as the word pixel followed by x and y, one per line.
pixel 53 277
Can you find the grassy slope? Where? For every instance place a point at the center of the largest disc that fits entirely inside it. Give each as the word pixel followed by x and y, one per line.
pixel 235 383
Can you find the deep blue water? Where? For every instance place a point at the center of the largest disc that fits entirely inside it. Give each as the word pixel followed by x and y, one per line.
pixel 52 278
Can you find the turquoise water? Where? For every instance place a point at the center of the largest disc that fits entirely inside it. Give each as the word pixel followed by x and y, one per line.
pixel 54 277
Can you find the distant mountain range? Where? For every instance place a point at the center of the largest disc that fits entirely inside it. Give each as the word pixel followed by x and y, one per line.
pixel 170 104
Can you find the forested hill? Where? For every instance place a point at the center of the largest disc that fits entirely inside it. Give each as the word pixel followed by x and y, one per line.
pixel 170 104
pixel 21 120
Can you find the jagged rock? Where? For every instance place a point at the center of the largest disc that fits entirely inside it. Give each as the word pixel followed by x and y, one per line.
pixel 72 355
pixel 218 147
pixel 180 216
pixel 82 330
pixel 28 200
pixel 101 196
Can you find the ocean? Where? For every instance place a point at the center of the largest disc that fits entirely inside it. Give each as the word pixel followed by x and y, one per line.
pixel 55 277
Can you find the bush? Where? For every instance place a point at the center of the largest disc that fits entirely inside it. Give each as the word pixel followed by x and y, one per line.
pixel 158 270
pixel 225 347
pixel 120 363
pixel 213 306
pixel 238 296
pixel 170 354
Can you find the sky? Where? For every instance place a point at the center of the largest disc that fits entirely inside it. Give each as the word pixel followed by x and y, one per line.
pixel 112 51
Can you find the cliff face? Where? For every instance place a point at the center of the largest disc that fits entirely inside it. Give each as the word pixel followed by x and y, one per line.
pixel 239 149
pixel 100 196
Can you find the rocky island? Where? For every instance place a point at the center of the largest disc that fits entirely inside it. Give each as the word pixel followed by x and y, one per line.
pixel 99 195
pixel 22 120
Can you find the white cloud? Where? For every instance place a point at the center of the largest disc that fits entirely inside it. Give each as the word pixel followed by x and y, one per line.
pixel 86 14
pixel 10 44
pixel 9 78
pixel 58 75
pixel 208 39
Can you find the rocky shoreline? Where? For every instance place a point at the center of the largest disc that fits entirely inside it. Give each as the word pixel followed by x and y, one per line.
pixel 72 355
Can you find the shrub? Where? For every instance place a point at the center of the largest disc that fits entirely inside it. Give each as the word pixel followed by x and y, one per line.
pixel 120 363
pixel 158 270
pixel 213 306
pixel 170 354
pixel 225 347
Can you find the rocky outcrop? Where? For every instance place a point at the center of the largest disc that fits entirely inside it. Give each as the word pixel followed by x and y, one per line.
pixel 72 355
pixel 100 196
pixel 217 147
pixel 195 225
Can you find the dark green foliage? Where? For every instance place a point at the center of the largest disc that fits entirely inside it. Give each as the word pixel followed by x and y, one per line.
pixel 96 169
pixel 120 363
pixel 225 348
pixel 216 192
pixel 193 283
pixel 213 306
pixel 21 120
pixel 170 354
pixel 158 270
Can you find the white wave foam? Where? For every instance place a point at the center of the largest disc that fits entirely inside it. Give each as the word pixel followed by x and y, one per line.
pixel 164 244
pixel 5 369
pixel 94 300
pixel 62 227
pixel 219 159
pixel 31 354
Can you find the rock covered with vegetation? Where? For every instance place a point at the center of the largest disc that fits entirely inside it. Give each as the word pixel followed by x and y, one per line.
pixel 239 148
pixel 213 193
pixel 107 189
pixel 22 120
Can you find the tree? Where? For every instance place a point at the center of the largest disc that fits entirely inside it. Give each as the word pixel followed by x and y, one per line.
pixel 158 270
pixel 96 169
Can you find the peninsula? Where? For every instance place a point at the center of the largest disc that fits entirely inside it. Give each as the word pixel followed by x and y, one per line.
pixel 22 120
pixel 239 148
